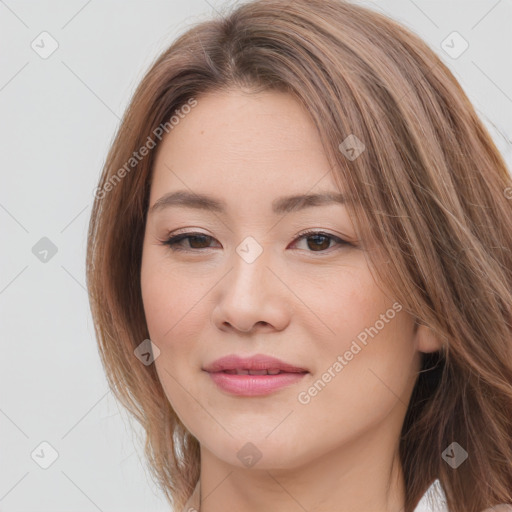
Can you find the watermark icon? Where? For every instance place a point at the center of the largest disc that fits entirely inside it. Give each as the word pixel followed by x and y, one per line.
pixel 454 455
pixel 352 147
pixel 304 397
pixel 249 455
pixel 454 45
pixel 44 455
pixel 146 352
pixel 145 149
pixel 44 45
pixel 508 192
pixel 44 250
pixel 249 249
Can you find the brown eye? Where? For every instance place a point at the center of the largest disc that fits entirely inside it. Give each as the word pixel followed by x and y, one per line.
pixel 198 242
pixel 195 241
pixel 317 241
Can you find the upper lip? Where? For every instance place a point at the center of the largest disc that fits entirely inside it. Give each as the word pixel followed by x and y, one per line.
pixel 256 362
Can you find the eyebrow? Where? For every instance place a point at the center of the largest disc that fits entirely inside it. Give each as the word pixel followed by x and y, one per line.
pixel 280 205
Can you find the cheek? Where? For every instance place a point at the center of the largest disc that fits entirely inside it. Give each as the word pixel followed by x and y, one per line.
pixel 374 338
pixel 171 303
pixel 172 311
pixel 348 302
pixel 371 380
pixel 158 303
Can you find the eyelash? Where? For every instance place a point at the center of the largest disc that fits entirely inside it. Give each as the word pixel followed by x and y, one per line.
pixel 172 241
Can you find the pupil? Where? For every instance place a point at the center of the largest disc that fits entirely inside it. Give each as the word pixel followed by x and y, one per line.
pixel 193 238
pixel 326 239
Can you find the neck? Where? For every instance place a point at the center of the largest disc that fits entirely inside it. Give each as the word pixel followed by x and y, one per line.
pixel 363 475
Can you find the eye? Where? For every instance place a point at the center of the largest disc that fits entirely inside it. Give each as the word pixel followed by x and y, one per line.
pixel 316 241
pixel 196 241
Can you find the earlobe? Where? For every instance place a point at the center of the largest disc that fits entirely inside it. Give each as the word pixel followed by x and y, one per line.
pixel 426 340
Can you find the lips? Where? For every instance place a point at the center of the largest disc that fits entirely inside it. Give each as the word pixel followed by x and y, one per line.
pixel 255 376
pixel 258 364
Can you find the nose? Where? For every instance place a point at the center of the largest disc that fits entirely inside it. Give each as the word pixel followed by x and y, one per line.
pixel 252 297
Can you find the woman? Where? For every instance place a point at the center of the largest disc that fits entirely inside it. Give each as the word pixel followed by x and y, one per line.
pixel 300 272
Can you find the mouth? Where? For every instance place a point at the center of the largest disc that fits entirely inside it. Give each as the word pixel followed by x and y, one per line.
pixel 255 376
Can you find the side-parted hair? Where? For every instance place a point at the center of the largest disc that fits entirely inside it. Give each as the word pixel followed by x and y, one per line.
pixel 430 194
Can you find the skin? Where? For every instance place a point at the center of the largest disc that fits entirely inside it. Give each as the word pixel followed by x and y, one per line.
pixel 304 303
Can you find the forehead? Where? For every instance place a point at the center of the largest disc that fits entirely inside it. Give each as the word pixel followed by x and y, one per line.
pixel 250 142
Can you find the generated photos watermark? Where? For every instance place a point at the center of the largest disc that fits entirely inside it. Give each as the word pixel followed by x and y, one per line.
pixel 304 397
pixel 145 149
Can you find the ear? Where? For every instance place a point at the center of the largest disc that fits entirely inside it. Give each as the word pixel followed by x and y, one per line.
pixel 425 339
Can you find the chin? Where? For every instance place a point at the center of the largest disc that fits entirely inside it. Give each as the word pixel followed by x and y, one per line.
pixel 265 454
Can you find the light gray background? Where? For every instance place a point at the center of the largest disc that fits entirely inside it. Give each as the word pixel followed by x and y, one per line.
pixel 58 116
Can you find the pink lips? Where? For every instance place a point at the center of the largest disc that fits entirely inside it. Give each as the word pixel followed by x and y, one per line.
pixel 253 376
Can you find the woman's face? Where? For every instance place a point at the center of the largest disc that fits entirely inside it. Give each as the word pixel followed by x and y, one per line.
pixel 249 283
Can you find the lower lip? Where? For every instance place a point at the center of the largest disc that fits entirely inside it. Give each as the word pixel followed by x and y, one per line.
pixel 254 385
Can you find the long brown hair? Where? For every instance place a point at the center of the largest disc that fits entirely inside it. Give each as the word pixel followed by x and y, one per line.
pixel 430 190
